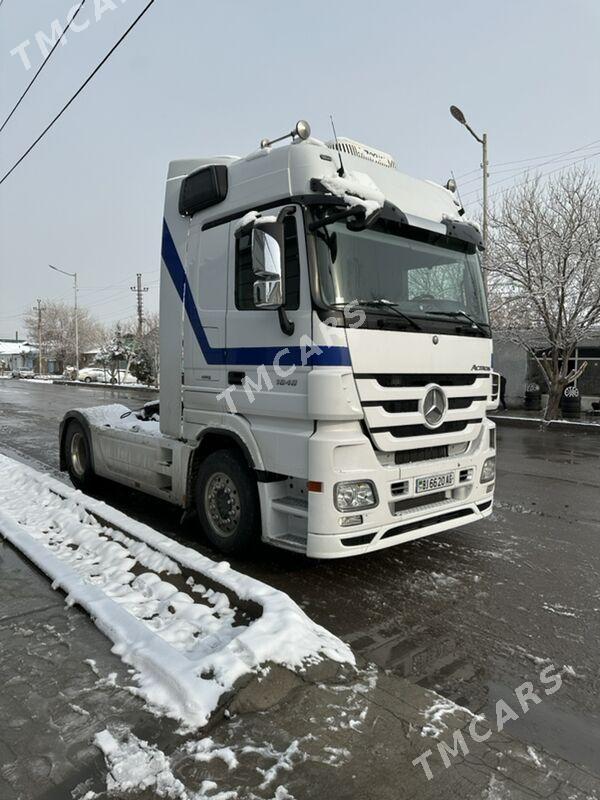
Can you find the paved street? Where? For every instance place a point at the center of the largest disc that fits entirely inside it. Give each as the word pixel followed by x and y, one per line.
pixel 471 613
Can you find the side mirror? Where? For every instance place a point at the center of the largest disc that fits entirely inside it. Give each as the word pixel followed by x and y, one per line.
pixel 267 265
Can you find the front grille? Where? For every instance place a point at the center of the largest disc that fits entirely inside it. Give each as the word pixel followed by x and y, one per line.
pixel 463 402
pixel 407 406
pixel 401 431
pixel 393 406
pixel 420 500
pixel 420 454
pixel 417 380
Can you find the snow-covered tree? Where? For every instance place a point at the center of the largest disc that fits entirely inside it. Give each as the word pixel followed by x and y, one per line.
pixel 544 271
pixel 141 365
pixel 115 355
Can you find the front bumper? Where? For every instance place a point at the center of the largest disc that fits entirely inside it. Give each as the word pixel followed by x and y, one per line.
pixel 336 546
pixel 336 454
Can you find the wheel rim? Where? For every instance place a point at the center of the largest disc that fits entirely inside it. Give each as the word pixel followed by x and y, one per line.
pixel 222 504
pixel 78 454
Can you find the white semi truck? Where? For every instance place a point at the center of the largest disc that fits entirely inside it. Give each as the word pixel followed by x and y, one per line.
pixel 326 357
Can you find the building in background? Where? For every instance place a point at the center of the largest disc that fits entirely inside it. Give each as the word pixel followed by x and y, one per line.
pixel 17 356
pixel 522 371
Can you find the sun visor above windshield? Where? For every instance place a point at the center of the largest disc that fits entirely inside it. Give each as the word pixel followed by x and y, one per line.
pixel 426 224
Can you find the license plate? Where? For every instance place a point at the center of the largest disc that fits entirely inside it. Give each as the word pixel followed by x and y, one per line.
pixel 434 482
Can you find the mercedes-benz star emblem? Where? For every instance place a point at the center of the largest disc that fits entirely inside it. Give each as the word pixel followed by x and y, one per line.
pixel 434 406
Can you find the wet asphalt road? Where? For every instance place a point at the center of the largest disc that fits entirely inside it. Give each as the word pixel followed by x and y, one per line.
pixel 471 613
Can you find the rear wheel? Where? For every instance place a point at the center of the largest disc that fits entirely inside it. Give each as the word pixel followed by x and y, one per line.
pixel 77 453
pixel 87 379
pixel 227 502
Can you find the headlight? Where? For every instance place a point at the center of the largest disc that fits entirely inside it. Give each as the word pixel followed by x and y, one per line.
pixel 488 473
pixel 354 495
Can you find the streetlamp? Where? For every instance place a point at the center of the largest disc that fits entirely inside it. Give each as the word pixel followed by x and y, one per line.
pixel 483 141
pixel 74 276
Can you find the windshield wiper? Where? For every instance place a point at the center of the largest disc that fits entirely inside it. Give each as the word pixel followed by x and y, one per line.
pixel 383 303
pixel 387 304
pixel 464 314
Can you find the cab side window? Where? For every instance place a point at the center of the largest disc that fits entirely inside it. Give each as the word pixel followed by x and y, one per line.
pixel 244 277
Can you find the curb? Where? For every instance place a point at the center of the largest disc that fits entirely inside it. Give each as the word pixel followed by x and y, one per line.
pixel 116 387
pixel 556 424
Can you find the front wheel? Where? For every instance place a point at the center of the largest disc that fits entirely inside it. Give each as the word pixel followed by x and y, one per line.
pixel 227 502
pixel 78 456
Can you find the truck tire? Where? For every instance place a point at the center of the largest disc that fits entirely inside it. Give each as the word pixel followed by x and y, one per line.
pixel 78 456
pixel 227 502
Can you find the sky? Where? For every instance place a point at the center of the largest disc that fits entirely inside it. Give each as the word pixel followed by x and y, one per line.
pixel 198 78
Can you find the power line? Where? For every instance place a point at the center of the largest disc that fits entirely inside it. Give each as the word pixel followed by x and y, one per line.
pixel 43 64
pixel 78 92
pixel 528 169
pixel 529 159
pixel 548 155
pixel 543 174
pixel 515 171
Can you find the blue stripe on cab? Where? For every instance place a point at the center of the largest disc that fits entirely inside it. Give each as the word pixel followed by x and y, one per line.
pixel 298 356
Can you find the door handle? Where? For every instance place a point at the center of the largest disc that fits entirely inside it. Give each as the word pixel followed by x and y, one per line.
pixel 235 378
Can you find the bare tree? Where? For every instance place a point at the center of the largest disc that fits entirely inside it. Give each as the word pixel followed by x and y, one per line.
pixel 58 330
pixel 544 271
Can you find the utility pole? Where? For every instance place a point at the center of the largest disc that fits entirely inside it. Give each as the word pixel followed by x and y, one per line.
pixel 39 309
pixel 485 167
pixel 75 287
pixel 483 141
pixel 139 290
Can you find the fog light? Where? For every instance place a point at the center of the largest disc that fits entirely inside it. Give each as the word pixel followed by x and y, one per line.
pixel 346 522
pixel 354 495
pixel 488 472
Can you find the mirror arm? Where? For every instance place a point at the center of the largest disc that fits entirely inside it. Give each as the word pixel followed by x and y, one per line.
pixel 338 215
pixel 287 326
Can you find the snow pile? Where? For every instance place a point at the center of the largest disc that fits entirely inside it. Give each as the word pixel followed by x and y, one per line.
pixel 357 189
pixel 136 765
pixel 440 708
pixel 182 638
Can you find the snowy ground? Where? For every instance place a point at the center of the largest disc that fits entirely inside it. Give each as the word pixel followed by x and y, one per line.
pixel 151 596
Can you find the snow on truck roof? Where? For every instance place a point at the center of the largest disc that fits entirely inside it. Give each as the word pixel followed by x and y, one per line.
pixel 271 173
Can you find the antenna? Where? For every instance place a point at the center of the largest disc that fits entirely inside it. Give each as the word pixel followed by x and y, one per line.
pixel 341 170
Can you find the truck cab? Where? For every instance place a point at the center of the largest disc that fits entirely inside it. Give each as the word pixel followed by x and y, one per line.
pixel 326 357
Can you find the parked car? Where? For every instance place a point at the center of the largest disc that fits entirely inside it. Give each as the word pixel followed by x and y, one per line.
pixel 22 373
pixel 93 375
pixel 100 375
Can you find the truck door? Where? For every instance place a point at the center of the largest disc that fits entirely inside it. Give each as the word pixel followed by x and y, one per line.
pixel 204 318
pixel 259 353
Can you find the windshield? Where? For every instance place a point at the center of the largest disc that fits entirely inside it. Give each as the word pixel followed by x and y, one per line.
pixel 426 276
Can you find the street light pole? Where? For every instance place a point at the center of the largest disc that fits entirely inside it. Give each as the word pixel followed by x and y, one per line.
pixel 76 289
pixel 485 165
pixel 483 141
